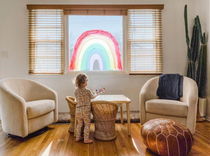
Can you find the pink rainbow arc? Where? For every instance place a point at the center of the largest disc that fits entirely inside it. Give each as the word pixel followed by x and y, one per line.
pixel 93 32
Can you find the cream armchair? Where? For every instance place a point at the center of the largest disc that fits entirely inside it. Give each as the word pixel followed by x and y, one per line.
pixel 183 111
pixel 26 106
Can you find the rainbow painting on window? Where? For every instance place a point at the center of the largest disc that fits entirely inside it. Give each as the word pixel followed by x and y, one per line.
pixel 96 50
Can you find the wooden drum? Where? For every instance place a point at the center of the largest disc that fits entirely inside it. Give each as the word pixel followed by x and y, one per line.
pixel 104 114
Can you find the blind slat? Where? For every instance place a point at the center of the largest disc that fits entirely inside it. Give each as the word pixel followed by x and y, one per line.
pixel 46 41
pixel 145 41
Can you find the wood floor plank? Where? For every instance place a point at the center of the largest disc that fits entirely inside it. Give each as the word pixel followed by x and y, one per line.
pixel 56 141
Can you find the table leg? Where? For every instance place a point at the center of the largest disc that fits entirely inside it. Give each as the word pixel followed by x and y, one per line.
pixel 128 119
pixel 121 114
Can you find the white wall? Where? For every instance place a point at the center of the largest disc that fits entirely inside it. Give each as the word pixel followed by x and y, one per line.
pixel 14 49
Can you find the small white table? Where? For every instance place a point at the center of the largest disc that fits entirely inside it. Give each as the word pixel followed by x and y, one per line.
pixel 118 99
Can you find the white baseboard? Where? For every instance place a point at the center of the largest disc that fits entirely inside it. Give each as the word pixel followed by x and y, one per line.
pixel 208 118
pixel 134 115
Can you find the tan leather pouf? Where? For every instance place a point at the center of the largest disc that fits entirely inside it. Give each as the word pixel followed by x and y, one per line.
pixel 166 137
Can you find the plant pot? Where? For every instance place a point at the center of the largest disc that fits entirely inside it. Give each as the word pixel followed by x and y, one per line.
pixel 201 113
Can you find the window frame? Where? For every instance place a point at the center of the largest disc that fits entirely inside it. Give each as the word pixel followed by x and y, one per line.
pixel 125 57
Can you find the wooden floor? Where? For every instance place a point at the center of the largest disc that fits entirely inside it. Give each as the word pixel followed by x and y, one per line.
pixel 56 141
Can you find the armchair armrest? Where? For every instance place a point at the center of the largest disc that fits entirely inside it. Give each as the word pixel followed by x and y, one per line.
pixel 190 97
pixel 13 94
pixel 13 112
pixel 148 91
pixel 190 92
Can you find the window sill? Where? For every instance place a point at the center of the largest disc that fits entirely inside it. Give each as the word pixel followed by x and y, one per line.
pixel 46 73
pixel 145 73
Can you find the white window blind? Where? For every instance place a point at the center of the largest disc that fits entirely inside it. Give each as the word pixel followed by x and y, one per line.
pixel 145 41
pixel 46 41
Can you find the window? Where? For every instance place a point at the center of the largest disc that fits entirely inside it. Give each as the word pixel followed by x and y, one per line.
pixel 95 38
pixel 95 42
pixel 144 41
pixel 46 41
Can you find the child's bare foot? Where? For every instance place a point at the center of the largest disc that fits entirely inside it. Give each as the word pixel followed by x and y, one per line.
pixel 89 141
pixel 79 139
pixel 70 131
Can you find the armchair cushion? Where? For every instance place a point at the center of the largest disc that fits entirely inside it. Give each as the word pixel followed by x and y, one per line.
pixel 166 107
pixel 39 107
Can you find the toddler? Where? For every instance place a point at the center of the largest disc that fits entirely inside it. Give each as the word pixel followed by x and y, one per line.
pixel 83 108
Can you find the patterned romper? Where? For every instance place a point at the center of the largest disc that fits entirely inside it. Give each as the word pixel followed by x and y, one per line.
pixel 83 111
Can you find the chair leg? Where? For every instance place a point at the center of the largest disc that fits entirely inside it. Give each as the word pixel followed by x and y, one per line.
pixel 75 126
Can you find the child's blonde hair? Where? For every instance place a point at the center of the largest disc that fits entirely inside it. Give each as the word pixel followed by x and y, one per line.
pixel 80 79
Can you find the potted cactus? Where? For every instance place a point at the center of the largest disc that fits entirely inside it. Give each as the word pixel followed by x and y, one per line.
pixel 201 74
pixel 197 61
